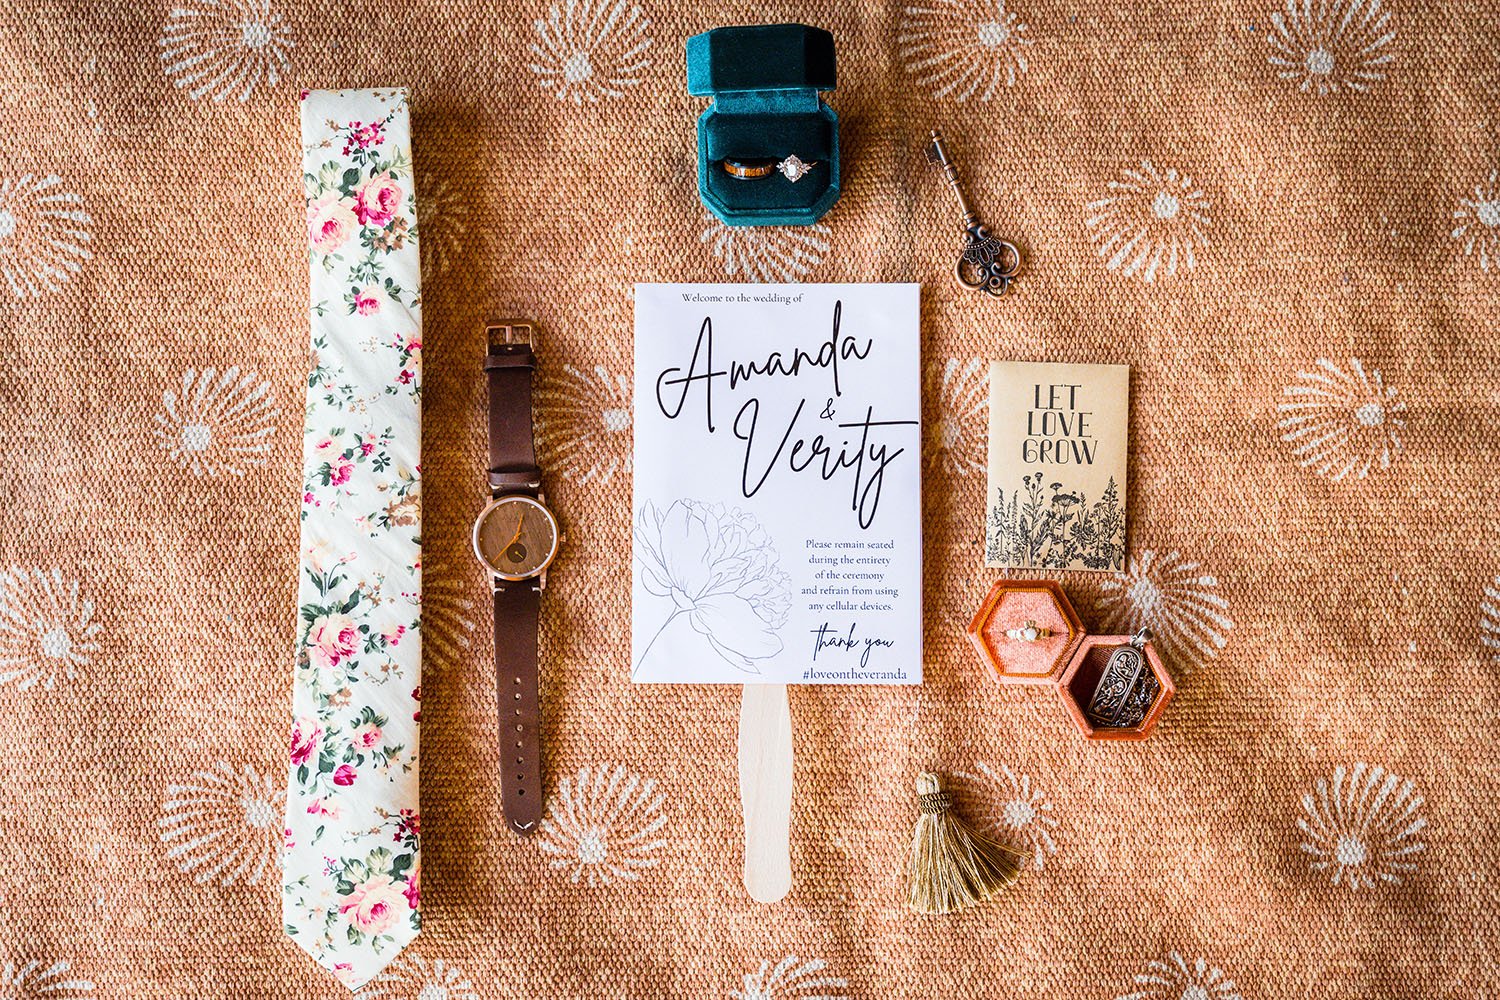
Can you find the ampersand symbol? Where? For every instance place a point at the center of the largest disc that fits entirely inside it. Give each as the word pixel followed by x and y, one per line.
pixel 827 413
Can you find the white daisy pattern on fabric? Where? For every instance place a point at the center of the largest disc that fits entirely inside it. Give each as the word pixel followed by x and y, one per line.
pixel 604 825
pixel 590 49
pixel 1489 620
pixel 215 422
pixel 410 978
pixel 1342 422
pixel 46 630
pixel 1013 810
pixel 1476 223
pixel 1364 827
pixel 963 48
pixel 768 253
pixel 33 979
pixel 1172 978
pixel 1331 45
pixel 584 423
pixel 792 978
pixel 1172 596
pixel 956 436
pixel 224 48
pixel 44 234
pixel 90 73
pixel 224 825
pixel 1150 223
pixel 449 617
pixel 443 222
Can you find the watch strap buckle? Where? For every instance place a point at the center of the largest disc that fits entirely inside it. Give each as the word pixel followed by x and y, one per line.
pixel 511 331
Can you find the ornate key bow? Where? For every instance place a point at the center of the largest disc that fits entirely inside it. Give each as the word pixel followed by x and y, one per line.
pixel 986 263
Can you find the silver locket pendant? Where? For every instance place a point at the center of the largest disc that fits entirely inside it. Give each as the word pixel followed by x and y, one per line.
pixel 1127 688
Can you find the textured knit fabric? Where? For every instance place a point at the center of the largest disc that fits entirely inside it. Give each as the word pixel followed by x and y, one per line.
pixel 1285 220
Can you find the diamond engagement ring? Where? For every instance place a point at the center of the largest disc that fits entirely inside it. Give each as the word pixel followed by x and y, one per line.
pixel 1030 633
pixel 792 168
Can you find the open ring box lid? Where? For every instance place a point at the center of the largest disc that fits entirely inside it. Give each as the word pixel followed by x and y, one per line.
pixel 765 80
pixel 1069 660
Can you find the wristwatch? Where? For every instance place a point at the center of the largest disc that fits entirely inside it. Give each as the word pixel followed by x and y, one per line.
pixel 516 538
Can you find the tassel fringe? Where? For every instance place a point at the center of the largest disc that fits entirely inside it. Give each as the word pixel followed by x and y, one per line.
pixel 952 867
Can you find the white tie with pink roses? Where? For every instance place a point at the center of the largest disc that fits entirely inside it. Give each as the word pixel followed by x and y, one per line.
pixel 352 879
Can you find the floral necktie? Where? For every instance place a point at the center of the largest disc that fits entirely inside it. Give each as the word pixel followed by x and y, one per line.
pixel 353 871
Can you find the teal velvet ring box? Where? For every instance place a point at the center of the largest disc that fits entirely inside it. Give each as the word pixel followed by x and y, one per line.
pixel 764 81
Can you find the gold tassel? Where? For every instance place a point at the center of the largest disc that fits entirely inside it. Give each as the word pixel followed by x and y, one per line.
pixel 952 867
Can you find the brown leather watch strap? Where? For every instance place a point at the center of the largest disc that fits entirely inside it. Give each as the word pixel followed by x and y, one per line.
pixel 513 469
pixel 517 608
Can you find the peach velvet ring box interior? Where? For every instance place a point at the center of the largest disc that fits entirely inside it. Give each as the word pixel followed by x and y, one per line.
pixel 1027 632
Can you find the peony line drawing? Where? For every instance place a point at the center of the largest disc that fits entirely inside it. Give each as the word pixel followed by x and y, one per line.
pixel 722 573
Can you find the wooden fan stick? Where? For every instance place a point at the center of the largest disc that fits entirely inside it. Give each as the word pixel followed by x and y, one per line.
pixel 766 790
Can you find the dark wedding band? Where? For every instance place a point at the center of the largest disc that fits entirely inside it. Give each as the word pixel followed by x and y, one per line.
pixel 749 170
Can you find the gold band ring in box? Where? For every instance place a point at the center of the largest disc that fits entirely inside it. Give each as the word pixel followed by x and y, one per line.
pixel 1030 632
pixel 792 168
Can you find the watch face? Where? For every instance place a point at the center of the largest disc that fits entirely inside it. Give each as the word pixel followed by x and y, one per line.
pixel 515 537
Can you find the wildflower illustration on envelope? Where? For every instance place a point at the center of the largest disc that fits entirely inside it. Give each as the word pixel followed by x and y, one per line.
pixel 1058 442
pixel 777 532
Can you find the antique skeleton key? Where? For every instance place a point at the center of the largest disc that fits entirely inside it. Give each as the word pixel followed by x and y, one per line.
pixel 986 264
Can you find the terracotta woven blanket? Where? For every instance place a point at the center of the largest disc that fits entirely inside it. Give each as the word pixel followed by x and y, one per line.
pixel 1286 219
